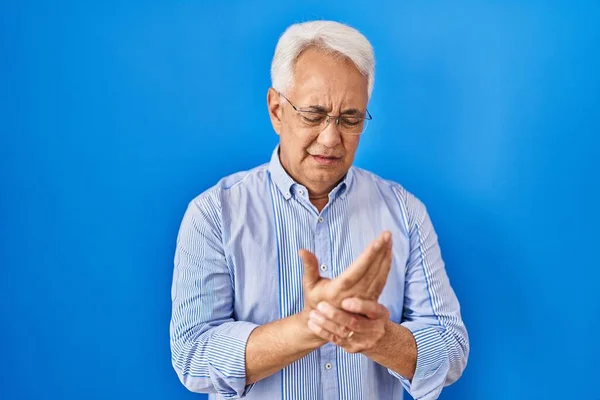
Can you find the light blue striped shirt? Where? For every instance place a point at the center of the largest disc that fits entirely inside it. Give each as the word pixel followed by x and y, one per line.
pixel 236 267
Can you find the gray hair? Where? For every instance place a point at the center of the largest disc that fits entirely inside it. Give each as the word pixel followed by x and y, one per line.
pixel 329 36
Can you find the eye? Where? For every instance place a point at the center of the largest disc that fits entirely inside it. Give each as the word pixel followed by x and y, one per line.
pixel 351 121
pixel 312 118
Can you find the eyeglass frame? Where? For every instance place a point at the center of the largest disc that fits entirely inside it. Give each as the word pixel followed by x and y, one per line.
pixel 367 117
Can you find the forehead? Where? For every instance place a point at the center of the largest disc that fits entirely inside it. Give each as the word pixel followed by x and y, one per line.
pixel 329 78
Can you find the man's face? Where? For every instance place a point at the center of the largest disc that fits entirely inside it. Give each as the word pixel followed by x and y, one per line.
pixel 318 159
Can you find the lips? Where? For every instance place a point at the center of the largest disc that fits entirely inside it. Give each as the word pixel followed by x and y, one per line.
pixel 325 160
pixel 324 156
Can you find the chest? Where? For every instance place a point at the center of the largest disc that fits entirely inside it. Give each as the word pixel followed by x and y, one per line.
pixel 262 254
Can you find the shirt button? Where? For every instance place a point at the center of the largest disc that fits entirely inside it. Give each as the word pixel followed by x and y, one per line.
pixel 320 219
pixel 323 267
pixel 328 366
pixel 301 192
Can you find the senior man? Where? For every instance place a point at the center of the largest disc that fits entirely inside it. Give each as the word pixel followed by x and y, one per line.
pixel 306 277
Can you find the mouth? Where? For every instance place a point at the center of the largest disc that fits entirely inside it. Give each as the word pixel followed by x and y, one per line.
pixel 325 160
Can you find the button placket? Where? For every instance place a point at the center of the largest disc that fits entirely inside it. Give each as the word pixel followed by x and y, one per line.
pixel 327 353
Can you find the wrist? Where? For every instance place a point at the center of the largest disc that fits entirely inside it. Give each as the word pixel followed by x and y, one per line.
pixel 311 340
pixel 380 346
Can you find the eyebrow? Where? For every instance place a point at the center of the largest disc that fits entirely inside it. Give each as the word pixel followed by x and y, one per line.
pixel 317 108
pixel 321 109
pixel 352 111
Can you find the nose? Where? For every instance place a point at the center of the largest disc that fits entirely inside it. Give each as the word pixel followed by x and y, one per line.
pixel 330 136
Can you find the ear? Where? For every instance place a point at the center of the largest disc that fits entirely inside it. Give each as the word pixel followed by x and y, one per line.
pixel 274 107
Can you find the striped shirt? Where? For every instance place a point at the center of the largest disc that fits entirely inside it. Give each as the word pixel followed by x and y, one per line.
pixel 237 267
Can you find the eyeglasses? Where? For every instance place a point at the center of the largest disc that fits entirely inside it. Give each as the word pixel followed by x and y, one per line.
pixel 349 124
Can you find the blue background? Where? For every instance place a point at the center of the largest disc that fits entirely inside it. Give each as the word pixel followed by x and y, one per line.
pixel 114 116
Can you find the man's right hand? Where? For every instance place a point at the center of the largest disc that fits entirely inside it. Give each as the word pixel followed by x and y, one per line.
pixel 274 345
pixel 364 278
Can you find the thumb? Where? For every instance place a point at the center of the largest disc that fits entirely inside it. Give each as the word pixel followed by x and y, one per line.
pixel 311 268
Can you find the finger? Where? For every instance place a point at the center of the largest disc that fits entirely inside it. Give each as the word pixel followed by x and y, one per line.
pixel 311 269
pixel 328 325
pixel 377 264
pixel 360 266
pixel 371 309
pixel 322 333
pixel 383 272
pixel 335 315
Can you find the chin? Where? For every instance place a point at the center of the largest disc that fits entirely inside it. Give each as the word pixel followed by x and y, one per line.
pixel 326 176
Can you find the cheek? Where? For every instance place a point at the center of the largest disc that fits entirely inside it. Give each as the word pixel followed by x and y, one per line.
pixel 290 135
pixel 296 146
pixel 300 143
pixel 350 145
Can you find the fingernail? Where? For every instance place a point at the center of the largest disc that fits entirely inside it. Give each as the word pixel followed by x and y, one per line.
pixel 321 307
pixel 377 244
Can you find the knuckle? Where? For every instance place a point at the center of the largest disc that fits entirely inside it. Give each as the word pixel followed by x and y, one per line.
pixel 330 294
pixel 367 346
pixel 378 287
pixel 343 284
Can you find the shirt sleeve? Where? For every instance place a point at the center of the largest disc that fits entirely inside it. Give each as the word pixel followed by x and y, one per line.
pixel 208 347
pixel 431 310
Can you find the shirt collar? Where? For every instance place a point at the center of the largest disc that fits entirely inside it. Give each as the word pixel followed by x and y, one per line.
pixel 288 187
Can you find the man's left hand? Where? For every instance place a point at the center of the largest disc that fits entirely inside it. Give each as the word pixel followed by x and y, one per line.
pixel 357 327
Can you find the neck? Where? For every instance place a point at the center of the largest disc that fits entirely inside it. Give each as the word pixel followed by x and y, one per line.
pixel 318 193
pixel 320 197
pixel 313 196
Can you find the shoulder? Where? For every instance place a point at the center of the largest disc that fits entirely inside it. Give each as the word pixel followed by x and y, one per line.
pixel 411 207
pixel 369 180
pixel 230 186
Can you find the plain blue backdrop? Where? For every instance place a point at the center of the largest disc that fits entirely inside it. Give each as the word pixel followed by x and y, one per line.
pixel 115 115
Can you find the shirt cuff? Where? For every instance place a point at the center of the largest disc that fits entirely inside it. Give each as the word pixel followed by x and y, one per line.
pixel 227 358
pixel 432 362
